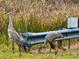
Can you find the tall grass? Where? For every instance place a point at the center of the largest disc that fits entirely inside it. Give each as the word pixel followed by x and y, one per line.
pixel 37 15
pixel 32 24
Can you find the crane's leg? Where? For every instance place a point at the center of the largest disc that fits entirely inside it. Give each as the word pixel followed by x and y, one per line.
pixel 52 46
pixel 61 46
pixel 55 47
pixel 19 49
pixel 13 46
pixel 50 49
pixel 40 48
pixel 56 50
pixel 50 43
pixel 24 47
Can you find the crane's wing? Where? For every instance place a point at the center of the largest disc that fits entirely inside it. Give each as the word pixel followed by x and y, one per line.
pixel 16 37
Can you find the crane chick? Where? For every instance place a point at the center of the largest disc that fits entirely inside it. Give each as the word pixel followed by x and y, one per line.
pixel 51 38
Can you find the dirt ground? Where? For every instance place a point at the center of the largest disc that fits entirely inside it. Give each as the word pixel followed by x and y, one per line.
pixel 74 49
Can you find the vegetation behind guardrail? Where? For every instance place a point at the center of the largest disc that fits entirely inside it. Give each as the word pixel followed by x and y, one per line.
pixel 32 24
pixel 37 15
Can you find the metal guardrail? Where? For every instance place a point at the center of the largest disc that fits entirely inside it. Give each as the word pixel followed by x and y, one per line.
pixel 38 38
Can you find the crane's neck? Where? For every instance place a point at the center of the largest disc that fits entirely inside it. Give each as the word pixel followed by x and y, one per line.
pixel 10 25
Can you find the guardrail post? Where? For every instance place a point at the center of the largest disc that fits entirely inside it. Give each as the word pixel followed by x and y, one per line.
pixel 69 44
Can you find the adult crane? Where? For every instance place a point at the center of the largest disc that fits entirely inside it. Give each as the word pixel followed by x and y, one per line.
pixel 14 36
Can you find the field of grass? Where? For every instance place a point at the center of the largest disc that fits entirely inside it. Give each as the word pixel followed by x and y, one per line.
pixel 6 53
pixel 44 15
pixel 35 16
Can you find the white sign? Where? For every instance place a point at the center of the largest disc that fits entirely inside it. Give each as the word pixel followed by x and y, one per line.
pixel 73 22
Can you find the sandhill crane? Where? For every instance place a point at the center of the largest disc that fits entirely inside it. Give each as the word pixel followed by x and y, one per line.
pixel 50 38
pixel 14 36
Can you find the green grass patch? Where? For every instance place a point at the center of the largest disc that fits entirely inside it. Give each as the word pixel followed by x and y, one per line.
pixel 6 53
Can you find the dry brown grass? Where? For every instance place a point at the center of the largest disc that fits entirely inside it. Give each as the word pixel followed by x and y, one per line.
pixel 37 15
pixel 44 9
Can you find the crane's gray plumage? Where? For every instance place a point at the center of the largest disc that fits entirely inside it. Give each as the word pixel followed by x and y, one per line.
pixel 50 38
pixel 53 36
pixel 14 36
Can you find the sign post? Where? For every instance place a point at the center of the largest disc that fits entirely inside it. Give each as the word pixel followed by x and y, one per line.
pixel 72 23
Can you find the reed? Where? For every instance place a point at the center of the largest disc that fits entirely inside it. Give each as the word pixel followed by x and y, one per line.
pixel 37 15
